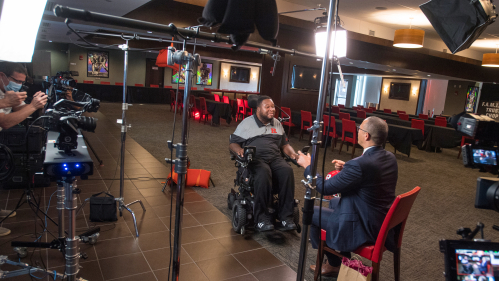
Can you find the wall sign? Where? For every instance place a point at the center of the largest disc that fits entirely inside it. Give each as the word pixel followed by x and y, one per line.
pixel 489 101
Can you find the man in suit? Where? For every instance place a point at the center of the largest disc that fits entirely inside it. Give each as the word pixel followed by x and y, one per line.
pixel 367 186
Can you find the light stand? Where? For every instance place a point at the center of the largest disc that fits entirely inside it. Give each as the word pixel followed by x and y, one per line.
pixel 190 60
pixel 310 183
pixel 124 127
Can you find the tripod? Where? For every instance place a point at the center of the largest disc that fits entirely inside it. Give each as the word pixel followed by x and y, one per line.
pixel 124 127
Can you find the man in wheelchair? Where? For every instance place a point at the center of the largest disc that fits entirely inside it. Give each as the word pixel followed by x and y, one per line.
pixel 268 168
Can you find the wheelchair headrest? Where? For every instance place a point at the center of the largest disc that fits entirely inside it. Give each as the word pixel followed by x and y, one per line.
pixel 253 100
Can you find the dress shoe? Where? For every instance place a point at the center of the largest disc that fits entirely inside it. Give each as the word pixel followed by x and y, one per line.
pixel 4 213
pixel 327 270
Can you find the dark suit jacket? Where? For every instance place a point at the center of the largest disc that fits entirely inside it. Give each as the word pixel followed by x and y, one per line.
pixel 367 186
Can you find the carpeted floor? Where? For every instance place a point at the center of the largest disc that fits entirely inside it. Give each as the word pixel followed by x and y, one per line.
pixel 445 203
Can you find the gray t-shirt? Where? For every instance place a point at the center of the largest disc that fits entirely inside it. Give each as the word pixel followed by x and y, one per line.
pixel 268 139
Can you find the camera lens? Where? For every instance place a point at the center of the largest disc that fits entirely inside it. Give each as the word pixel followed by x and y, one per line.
pixel 87 123
pixel 68 82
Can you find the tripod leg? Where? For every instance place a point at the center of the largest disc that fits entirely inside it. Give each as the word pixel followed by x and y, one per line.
pixel 134 219
pixel 137 201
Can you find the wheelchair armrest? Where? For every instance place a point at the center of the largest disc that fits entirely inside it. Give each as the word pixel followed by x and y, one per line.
pixel 249 153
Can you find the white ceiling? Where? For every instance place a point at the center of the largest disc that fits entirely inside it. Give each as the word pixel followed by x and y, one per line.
pixel 397 15
pixel 357 15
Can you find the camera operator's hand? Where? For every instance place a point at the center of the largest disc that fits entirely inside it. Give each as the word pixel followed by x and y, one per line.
pixel 39 100
pixel 338 164
pixel 13 99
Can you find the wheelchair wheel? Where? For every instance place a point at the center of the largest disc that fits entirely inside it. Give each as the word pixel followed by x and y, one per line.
pixel 238 218
pixel 296 218
pixel 230 200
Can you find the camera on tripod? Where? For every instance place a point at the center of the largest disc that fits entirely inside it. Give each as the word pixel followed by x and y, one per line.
pixel 483 153
pixel 469 258
pixel 65 115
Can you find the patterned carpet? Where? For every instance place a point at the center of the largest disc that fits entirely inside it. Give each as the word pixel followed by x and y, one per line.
pixel 445 203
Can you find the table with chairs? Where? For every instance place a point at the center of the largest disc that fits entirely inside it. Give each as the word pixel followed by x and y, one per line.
pixel 437 133
pixel 401 137
pixel 214 108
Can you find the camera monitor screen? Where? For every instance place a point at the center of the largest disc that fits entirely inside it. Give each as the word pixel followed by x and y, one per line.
pixel 484 157
pixel 472 264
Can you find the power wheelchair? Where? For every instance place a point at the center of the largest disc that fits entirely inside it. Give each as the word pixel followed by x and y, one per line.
pixel 242 201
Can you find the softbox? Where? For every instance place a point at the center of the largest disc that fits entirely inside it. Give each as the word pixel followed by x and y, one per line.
pixel 459 22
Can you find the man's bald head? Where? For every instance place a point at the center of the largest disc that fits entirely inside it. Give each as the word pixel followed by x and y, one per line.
pixel 378 129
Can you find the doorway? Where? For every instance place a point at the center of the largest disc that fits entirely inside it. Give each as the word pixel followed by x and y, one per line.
pixel 154 75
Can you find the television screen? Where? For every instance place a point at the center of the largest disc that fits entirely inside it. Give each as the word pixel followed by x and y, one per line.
pixel 484 157
pixel 476 264
pixel 400 91
pixel 240 74
pixel 204 74
pixel 305 78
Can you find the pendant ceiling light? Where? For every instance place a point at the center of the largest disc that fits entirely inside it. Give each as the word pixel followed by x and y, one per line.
pixel 491 59
pixel 408 38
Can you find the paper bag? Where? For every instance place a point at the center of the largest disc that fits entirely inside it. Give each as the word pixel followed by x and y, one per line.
pixel 354 270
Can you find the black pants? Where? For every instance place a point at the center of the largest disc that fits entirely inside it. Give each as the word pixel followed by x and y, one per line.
pixel 266 175
pixel 315 232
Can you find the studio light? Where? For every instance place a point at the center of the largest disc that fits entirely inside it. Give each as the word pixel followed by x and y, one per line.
pixel 408 38
pixel 491 59
pixel 338 42
pixel 19 25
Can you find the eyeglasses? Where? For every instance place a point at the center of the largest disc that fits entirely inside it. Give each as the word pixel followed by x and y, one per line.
pixel 359 128
pixel 17 81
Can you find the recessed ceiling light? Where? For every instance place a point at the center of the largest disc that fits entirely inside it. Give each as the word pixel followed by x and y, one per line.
pixel 149 51
pixel 50 41
pixel 381 8
pixel 429 75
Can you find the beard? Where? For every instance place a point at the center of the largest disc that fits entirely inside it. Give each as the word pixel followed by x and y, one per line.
pixel 264 118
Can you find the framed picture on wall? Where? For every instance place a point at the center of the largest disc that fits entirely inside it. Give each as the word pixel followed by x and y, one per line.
pixel 98 64
pixel 239 74
pixel 204 74
pixel 471 99
pixel 178 77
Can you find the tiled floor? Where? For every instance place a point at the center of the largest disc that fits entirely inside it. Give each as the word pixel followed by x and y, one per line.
pixel 210 249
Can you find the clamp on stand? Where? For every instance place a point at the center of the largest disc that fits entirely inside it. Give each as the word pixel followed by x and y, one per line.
pixel 191 61
pixel 124 128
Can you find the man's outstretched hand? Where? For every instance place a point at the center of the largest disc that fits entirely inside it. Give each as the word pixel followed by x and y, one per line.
pixel 303 160
pixel 338 164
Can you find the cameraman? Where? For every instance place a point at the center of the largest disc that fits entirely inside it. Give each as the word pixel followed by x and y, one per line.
pixel 13 110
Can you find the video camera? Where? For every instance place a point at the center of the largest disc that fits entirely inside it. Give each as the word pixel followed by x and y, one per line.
pixel 65 115
pixel 58 86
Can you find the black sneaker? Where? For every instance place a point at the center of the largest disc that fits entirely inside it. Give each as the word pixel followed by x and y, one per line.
pixel 287 224
pixel 264 225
